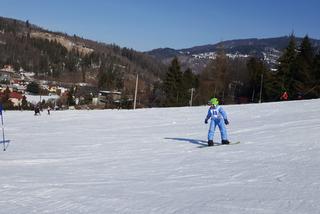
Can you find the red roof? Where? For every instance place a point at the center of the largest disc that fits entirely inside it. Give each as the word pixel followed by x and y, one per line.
pixel 15 95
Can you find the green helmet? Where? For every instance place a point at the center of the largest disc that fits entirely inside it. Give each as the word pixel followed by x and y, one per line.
pixel 214 101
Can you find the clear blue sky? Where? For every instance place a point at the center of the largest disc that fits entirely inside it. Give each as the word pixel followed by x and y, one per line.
pixel 148 24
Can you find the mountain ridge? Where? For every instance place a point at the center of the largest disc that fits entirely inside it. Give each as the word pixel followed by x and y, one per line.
pixel 197 57
pixel 276 42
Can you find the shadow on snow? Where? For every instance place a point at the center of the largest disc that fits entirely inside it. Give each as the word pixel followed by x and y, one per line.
pixel 188 140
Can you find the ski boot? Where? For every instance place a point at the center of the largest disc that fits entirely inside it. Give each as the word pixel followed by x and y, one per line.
pixel 210 142
pixel 225 142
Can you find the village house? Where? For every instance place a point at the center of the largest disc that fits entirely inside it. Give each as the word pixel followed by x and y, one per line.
pixel 16 98
pixel 109 97
pixel 8 68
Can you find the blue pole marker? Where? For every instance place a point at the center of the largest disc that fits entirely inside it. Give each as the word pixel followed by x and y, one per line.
pixel 4 141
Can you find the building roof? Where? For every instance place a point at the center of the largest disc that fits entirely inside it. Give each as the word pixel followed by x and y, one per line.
pixel 110 92
pixel 15 95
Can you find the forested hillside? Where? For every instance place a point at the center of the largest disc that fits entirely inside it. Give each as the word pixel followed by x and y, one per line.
pixel 61 57
pixel 250 79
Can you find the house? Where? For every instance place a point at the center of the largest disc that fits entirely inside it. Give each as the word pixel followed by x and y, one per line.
pixel 3 87
pixel 85 93
pixel 19 88
pixel 27 75
pixel 5 77
pixel 16 98
pixel 53 89
pixel 8 68
pixel 109 97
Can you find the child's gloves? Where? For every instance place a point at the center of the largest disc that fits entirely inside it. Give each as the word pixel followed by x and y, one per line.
pixel 226 121
pixel 206 121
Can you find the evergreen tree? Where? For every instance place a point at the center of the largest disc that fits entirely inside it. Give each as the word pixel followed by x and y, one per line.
pixel 33 87
pixel 27 24
pixel 287 68
pixel 173 84
pixel 303 77
pixel 316 75
pixel 316 67
pixel 189 82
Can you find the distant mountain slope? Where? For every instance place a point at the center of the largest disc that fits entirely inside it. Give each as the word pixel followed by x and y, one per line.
pixel 70 58
pixel 197 57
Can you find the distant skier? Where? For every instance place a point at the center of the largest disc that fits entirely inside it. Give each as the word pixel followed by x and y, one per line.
pixel 218 118
pixel 284 96
pixel 48 109
pixel 37 111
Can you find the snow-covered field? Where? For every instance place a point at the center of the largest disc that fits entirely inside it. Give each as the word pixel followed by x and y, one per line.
pixel 151 161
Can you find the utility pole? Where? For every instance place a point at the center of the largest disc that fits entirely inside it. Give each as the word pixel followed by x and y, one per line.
pixel 40 92
pixel 261 82
pixel 135 93
pixel 192 90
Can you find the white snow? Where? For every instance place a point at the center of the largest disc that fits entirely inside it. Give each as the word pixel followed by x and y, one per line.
pixel 213 55
pixel 34 99
pixel 149 161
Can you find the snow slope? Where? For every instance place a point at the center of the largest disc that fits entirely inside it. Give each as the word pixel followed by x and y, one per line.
pixel 151 161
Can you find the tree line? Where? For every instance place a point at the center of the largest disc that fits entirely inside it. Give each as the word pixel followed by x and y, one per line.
pixel 298 72
pixel 247 80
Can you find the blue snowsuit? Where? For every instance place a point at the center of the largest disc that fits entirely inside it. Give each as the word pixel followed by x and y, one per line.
pixel 218 116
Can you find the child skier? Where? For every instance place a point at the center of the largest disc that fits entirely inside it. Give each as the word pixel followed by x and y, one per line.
pixel 218 117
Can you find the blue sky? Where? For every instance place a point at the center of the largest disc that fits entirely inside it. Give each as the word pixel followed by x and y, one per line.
pixel 148 24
